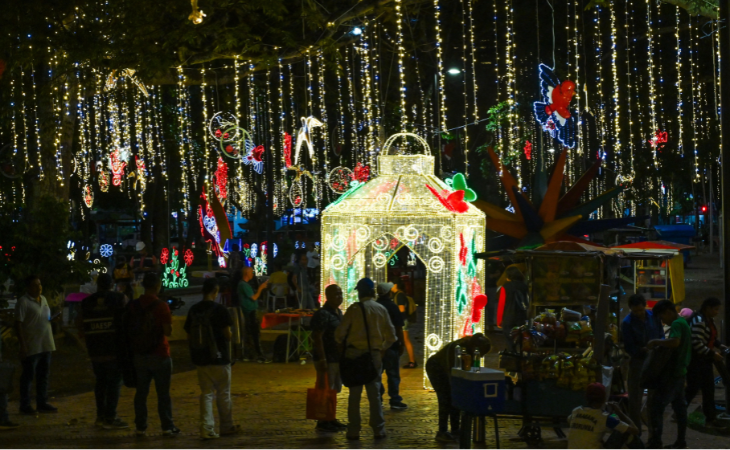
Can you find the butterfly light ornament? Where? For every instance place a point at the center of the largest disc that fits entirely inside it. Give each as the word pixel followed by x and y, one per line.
pixel 553 112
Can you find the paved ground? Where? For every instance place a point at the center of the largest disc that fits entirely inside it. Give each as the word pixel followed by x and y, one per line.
pixel 270 405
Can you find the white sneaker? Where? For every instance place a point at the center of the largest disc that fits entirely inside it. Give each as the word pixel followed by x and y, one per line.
pixel 209 435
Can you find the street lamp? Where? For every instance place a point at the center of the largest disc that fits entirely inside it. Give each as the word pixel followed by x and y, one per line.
pixel 453 71
pixel 357 31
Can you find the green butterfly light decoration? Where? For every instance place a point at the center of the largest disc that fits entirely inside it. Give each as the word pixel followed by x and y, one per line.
pixel 458 183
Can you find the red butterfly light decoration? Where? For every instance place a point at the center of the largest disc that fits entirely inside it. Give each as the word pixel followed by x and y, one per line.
pixel 453 201
pixel 287 149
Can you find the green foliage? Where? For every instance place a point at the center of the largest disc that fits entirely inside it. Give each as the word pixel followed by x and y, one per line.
pixel 36 242
pixel 497 116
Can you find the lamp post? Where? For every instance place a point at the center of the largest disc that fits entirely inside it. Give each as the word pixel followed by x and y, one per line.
pixel 725 158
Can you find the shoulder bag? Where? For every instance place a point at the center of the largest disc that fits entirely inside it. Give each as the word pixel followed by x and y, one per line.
pixel 361 370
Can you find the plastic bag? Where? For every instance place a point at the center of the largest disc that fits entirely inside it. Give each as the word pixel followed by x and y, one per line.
pixel 322 401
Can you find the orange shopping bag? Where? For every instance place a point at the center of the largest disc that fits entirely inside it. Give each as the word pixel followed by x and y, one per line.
pixel 322 401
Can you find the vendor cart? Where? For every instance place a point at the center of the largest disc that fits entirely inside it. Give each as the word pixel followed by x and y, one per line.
pixel 569 305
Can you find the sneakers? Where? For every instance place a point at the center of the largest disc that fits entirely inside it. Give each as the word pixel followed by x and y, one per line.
pixel 398 405
pixel 444 436
pixel 263 360
pixel 47 409
pixel 235 429
pixel 28 410
pixel 209 435
pixel 8 425
pixel 327 427
pixel 116 424
pixel 174 431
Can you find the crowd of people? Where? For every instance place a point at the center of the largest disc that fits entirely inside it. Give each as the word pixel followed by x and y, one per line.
pixel 672 357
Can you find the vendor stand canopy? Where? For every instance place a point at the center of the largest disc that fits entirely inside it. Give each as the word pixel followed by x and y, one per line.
pixel 662 250
pixel 366 227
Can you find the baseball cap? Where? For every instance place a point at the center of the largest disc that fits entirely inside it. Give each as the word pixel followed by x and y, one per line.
pixel 384 288
pixel 139 246
pixel 365 283
pixel 596 392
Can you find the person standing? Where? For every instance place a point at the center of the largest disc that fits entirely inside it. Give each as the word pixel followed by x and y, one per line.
pixel 637 329
pixel 99 325
pixel 5 423
pixel 209 337
pixel 235 264
pixel 706 350
pixel 391 358
pixel 148 324
pixel 248 300
pixel 326 352
pixel 671 388
pixel 401 300
pixel 382 336
pixel 302 284
pixel 35 339
pixel 313 263
pixel 438 369
pixel 516 304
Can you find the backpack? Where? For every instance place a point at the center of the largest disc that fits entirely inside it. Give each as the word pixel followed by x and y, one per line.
pixel 200 334
pixel 144 334
pixel 412 306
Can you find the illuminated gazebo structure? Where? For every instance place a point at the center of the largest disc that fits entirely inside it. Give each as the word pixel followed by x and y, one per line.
pixel 407 205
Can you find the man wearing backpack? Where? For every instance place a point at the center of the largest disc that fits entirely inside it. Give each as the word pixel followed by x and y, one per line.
pixel 408 309
pixel 209 336
pixel 98 325
pixel 148 323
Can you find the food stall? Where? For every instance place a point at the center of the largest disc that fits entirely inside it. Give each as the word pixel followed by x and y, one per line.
pixel 557 354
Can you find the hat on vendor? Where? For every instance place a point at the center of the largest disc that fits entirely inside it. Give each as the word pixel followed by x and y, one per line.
pixel 365 284
pixel 384 288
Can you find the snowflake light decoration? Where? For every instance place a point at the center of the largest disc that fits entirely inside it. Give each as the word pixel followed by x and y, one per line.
pixel 106 250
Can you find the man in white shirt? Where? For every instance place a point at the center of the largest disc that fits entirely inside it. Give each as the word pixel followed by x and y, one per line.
pixel 35 337
pixel 588 424
pixel 382 336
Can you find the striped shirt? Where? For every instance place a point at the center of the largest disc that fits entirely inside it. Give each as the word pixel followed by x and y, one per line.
pixel 704 334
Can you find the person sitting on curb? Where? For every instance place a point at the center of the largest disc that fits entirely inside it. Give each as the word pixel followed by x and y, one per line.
pixel 588 424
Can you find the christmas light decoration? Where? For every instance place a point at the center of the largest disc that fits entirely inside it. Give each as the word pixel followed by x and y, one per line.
pixel 214 226
pixel 339 179
pixel 197 15
pixel 659 138
pixel 254 158
pixel 106 250
pixel 173 274
pixel 357 230
pixel 104 181
pixel 221 180
pixel 117 165
pixel 553 113
pixel 527 149
pixel 361 173
pixel 164 255
pixel 88 195
pixel 188 257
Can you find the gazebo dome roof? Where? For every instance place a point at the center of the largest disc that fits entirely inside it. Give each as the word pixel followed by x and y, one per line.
pixel 399 189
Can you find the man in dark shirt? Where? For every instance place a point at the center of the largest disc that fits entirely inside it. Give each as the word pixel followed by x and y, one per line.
pixel 151 363
pixel 438 369
pixel 391 359
pixel 401 300
pixel 672 383
pixel 326 350
pixel 209 335
pixel 99 325
pixel 637 329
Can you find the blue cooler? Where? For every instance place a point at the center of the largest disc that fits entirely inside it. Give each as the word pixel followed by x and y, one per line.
pixel 480 393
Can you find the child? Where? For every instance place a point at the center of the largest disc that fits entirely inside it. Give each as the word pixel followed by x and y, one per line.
pixel 588 424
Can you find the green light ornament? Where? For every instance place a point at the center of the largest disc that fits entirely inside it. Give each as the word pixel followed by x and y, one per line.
pixel 174 275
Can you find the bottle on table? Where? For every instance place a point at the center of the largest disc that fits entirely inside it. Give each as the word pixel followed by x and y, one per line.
pixel 457 359
pixel 475 365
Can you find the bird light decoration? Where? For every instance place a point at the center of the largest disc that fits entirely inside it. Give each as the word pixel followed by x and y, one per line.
pixel 197 15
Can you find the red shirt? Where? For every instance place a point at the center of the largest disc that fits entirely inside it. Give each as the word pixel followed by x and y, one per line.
pixel 163 316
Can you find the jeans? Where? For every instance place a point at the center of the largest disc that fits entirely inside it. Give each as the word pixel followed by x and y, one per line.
pixel 635 391
pixel 701 377
pixel 106 391
pixel 252 345
pixel 671 391
pixel 377 421
pixel 4 409
pixel 36 366
pixel 158 368
pixel 215 382
pixel 391 367
pixel 441 383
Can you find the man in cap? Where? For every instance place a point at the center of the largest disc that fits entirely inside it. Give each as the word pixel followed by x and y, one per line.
pixel 391 359
pixel 382 336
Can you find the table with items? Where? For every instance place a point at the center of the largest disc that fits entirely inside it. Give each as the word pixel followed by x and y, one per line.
pixel 296 328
